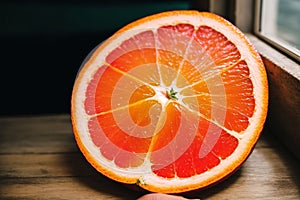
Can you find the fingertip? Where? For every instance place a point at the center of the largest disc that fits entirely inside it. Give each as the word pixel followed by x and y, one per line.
pixel 158 196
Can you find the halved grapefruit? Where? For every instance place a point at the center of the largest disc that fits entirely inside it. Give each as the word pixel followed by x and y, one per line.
pixel 172 102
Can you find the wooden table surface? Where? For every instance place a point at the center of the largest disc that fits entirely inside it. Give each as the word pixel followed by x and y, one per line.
pixel 39 159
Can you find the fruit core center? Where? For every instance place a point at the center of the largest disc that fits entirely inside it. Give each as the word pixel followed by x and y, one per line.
pixel 171 94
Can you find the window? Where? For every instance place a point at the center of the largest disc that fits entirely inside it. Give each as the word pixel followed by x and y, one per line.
pixel 278 22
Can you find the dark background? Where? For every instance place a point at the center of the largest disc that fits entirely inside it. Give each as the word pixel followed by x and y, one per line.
pixel 44 42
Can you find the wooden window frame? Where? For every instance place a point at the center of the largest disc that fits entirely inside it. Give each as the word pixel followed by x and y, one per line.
pixel 283 70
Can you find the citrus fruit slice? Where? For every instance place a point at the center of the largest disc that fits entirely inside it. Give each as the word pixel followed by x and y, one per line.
pixel 172 102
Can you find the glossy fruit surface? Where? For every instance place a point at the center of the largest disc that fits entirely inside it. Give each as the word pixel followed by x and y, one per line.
pixel 172 102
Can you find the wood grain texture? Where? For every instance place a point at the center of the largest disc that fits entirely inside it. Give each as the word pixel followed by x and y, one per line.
pixel 39 159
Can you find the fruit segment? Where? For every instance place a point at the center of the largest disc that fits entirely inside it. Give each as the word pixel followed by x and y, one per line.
pixel 142 40
pixel 206 147
pixel 126 151
pixel 222 51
